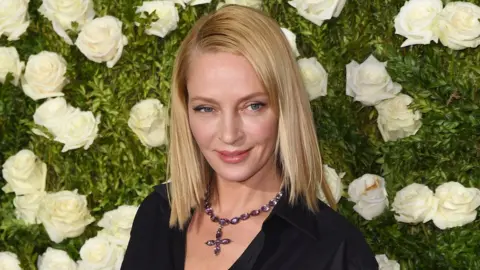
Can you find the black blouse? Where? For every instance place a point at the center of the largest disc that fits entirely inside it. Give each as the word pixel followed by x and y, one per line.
pixel 291 238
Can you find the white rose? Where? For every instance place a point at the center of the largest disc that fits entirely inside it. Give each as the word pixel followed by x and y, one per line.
pixel 25 173
pixel 148 120
pixel 53 113
pixel 459 25
pixel 13 18
pixel 369 194
pixel 117 224
pixel 196 2
pixel 167 15
pixel 64 215
pixel 369 82
pixel 79 130
pixel 26 206
pixel 63 12
pixel 457 205
pixel 248 3
pixel 9 261
pixel 292 40
pixel 318 11
pixel 10 63
pixel 385 264
pixel 416 21
pixel 102 40
pixel 44 75
pixel 54 259
pixel 396 120
pixel 334 182
pixel 314 77
pixel 415 203
pixel 70 126
pixel 99 253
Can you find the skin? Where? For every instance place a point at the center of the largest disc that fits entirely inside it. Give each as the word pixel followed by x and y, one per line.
pixel 229 111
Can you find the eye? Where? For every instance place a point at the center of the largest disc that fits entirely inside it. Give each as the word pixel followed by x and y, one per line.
pixel 203 109
pixel 256 106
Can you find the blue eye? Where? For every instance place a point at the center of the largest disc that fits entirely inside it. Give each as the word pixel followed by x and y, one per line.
pixel 203 109
pixel 256 106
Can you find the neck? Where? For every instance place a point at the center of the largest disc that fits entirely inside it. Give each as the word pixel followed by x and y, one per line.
pixel 232 198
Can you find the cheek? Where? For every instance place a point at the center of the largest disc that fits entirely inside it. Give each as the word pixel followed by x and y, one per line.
pixel 201 131
pixel 264 130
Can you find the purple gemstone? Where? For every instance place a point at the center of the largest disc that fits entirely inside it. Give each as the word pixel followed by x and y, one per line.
pixel 214 218
pixel 218 234
pixel 226 241
pixel 209 211
pixel 216 250
pixel 218 242
pixel 210 243
pixel 234 220
pixel 272 203
pixel 265 208
pixel 223 221
pixel 255 213
pixel 278 196
pixel 244 216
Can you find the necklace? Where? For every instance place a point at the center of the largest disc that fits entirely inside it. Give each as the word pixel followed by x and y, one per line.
pixel 222 222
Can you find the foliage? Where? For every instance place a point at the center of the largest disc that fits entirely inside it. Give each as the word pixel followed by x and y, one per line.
pixel 118 169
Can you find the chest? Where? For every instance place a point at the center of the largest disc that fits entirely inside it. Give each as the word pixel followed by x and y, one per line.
pixel 231 241
pixel 271 248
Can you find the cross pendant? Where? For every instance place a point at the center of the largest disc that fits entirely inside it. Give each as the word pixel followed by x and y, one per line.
pixel 218 241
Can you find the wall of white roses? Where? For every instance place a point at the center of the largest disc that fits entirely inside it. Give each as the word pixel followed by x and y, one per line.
pixel 394 86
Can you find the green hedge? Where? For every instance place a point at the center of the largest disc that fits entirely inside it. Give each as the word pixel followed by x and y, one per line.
pixel 118 169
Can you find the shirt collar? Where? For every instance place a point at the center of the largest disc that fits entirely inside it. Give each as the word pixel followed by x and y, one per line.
pixel 296 214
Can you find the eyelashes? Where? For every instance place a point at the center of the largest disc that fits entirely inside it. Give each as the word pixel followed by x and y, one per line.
pixel 203 109
pixel 258 106
pixel 254 107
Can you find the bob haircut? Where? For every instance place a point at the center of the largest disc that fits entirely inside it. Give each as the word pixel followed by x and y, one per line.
pixel 257 37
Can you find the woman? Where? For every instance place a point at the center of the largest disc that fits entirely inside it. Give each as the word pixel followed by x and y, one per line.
pixel 244 162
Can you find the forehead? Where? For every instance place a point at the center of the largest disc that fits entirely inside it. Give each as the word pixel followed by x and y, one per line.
pixel 220 75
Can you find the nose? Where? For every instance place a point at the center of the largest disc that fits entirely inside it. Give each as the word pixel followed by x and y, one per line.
pixel 230 130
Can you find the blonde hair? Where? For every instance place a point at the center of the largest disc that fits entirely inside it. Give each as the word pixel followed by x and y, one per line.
pixel 250 33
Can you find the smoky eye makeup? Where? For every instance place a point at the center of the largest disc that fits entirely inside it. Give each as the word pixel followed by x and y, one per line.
pixel 256 106
pixel 202 108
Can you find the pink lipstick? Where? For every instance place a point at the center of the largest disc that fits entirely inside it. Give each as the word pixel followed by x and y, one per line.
pixel 233 157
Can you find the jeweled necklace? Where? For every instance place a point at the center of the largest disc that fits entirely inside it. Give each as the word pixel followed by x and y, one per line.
pixel 235 220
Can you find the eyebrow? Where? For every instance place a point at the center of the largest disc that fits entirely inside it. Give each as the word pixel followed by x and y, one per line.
pixel 211 100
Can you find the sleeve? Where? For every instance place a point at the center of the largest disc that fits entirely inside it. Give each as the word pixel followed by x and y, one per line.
pixel 359 254
pixel 146 233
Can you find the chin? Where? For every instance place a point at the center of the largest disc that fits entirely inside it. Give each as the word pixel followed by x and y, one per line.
pixel 233 175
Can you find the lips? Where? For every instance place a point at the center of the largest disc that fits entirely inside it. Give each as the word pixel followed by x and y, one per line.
pixel 232 153
pixel 233 157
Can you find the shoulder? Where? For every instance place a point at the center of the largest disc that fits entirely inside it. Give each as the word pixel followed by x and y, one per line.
pixel 349 241
pixel 161 191
pixel 155 207
pixel 157 199
pixel 149 232
pixel 329 220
